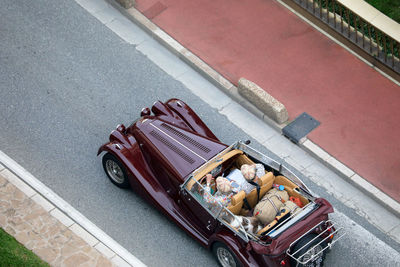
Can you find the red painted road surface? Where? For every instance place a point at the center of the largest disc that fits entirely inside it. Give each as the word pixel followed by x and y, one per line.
pixel 264 42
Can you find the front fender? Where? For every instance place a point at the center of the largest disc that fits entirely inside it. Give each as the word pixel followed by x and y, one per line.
pixel 190 117
pixel 107 147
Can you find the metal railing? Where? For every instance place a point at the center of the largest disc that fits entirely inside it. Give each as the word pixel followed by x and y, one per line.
pixel 356 29
pixel 333 230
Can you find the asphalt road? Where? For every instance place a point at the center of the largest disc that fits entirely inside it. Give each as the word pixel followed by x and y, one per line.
pixel 66 81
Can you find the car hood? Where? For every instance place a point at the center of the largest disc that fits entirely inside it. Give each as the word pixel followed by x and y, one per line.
pixel 182 149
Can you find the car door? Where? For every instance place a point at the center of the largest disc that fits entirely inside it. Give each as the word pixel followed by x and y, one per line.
pixel 202 214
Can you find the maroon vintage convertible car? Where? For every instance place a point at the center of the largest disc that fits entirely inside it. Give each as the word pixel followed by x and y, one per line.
pixel 164 156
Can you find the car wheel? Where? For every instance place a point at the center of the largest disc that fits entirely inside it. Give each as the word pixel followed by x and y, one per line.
pixel 225 257
pixel 115 171
pixel 314 245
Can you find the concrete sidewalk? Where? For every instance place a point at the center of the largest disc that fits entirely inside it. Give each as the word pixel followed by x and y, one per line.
pixel 42 222
pixel 35 224
pixel 264 42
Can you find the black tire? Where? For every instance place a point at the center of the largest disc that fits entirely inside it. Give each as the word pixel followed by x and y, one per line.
pixel 317 262
pixel 115 171
pixel 224 256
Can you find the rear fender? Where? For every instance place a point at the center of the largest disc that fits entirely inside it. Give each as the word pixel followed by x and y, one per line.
pixel 232 242
pixel 190 117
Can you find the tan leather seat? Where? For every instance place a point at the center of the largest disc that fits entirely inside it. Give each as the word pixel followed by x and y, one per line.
pixel 237 202
pixel 265 183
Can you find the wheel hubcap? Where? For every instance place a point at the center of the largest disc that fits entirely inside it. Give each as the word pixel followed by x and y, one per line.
pixel 314 256
pixel 114 171
pixel 225 257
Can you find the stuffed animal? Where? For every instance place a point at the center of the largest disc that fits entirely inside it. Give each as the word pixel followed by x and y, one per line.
pixel 269 206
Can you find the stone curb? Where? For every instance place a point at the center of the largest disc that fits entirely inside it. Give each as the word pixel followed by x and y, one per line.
pixel 231 90
pixel 351 176
pixel 65 214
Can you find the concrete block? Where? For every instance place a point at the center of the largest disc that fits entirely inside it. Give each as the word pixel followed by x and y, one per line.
pixel 315 149
pixel 126 3
pixel 388 201
pixel 85 235
pixel 340 167
pixel 108 253
pixel 129 32
pixel 64 219
pixel 93 6
pixel 357 179
pixel 46 205
pixel 118 261
pixel 395 234
pixel 15 180
pixel 169 62
pixel 262 100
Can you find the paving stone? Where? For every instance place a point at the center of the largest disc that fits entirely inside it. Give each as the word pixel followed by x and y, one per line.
pixel 76 259
pixel 3 220
pixel 30 222
pixel 47 254
pixel 7 191
pixel 103 262
pixel 68 250
pixel 3 181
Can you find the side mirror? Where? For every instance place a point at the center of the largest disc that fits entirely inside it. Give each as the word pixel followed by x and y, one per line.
pixel 247 142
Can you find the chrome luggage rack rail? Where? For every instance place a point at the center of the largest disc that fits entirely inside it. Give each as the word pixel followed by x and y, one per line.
pixel 332 231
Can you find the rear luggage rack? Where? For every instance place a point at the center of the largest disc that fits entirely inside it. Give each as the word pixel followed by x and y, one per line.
pixel 331 230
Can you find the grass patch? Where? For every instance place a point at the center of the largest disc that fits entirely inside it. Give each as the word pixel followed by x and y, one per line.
pixel 390 8
pixel 14 254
